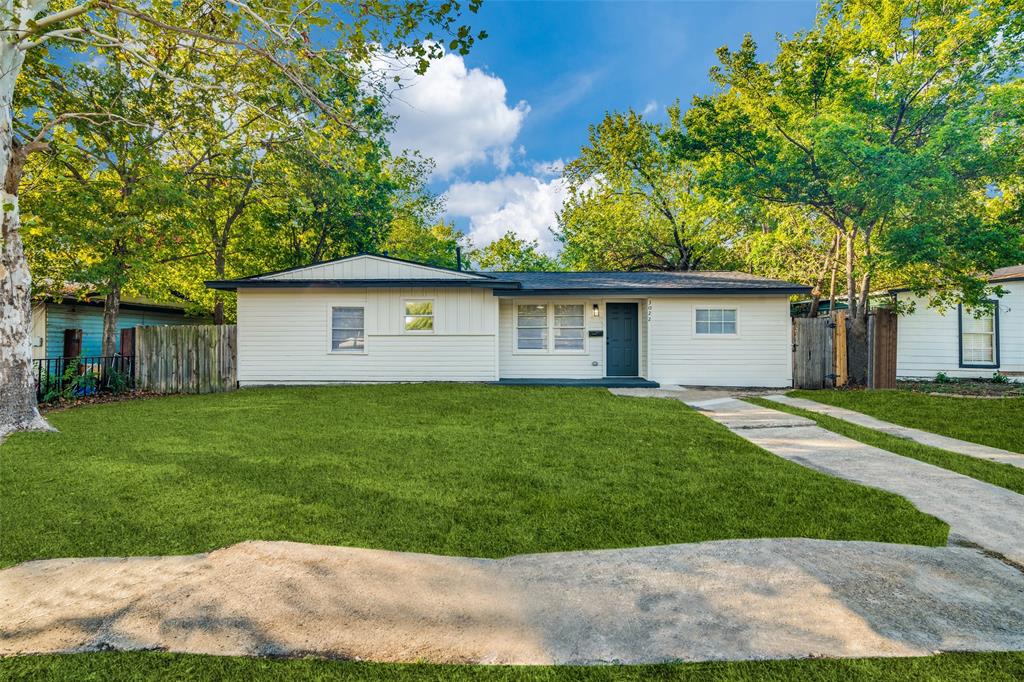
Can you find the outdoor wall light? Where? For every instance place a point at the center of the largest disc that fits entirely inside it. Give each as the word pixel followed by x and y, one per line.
pixel 597 310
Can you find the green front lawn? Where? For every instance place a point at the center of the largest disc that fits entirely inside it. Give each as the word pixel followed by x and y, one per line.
pixel 450 469
pixel 995 422
pixel 989 667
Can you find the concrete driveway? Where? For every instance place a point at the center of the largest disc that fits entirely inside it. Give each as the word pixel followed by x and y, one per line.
pixel 729 600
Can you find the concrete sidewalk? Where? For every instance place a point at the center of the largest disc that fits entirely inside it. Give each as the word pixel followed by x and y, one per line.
pixel 978 513
pixel 934 440
pixel 728 600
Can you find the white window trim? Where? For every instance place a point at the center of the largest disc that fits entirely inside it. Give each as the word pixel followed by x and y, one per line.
pixel 693 322
pixel 995 362
pixel 433 316
pixel 550 346
pixel 330 329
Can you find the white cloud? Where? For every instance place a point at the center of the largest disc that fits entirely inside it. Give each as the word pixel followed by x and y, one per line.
pixel 523 204
pixel 650 107
pixel 457 116
pixel 549 168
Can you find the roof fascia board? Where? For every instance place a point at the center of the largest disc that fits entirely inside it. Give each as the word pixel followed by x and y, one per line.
pixel 234 284
pixel 648 291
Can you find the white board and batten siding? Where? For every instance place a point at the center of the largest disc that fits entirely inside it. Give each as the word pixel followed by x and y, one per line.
pixel 928 341
pixel 759 354
pixel 370 268
pixel 284 336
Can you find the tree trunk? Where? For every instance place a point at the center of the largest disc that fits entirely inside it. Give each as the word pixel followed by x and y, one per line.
pixel 857 321
pixel 857 349
pixel 819 283
pixel 218 297
pixel 832 284
pixel 18 410
pixel 111 311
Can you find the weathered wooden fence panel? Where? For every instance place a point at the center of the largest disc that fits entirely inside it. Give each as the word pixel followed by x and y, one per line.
pixel 812 352
pixel 186 359
pixel 820 350
pixel 882 369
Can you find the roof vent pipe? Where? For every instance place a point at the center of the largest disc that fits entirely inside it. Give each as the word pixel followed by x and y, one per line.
pixel 458 258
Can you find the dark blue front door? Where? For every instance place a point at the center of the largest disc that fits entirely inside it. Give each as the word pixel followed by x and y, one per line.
pixel 622 339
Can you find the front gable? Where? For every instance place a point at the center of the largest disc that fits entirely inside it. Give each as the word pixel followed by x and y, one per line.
pixel 371 267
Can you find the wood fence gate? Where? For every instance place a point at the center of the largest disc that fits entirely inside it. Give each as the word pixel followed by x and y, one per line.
pixel 813 352
pixel 820 350
pixel 882 341
pixel 186 359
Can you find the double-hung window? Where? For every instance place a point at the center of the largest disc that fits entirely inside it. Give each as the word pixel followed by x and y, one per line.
pixel 715 321
pixel 979 338
pixel 419 315
pixel 545 327
pixel 532 327
pixel 569 326
pixel 348 331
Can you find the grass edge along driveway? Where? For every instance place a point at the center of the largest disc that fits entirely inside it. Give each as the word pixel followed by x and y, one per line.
pixel 467 470
pixel 965 667
pixel 990 421
pixel 1003 475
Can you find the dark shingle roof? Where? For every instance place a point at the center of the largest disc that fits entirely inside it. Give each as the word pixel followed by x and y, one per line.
pixel 653 282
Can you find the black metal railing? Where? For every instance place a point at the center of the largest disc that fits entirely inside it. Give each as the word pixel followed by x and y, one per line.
pixel 70 378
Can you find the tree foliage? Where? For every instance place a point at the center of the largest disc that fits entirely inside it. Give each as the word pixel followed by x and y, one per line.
pixel 636 205
pixel 513 254
pixel 891 120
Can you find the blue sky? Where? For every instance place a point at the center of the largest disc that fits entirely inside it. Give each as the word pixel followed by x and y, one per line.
pixel 499 121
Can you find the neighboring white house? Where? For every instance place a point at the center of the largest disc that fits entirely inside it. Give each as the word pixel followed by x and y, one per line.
pixel 960 343
pixel 375 318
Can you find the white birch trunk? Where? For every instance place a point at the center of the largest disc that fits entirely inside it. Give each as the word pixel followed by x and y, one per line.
pixel 18 410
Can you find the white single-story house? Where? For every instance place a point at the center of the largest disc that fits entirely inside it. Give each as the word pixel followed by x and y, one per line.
pixel 377 318
pixel 961 343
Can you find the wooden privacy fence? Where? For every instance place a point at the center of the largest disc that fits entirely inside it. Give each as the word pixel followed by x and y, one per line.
pixel 186 359
pixel 813 352
pixel 820 350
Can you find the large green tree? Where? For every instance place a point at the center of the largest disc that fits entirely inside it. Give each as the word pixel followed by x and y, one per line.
pixel 513 254
pixel 892 120
pixel 299 42
pixel 99 197
pixel 634 204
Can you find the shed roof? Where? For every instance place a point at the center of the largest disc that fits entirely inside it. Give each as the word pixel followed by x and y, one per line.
pixel 1006 274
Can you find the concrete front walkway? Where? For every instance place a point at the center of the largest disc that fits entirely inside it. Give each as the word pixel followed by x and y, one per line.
pixel 977 513
pixel 729 600
pixel 934 440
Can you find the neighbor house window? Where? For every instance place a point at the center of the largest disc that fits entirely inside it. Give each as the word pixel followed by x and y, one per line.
pixel 532 327
pixel 569 327
pixel 419 316
pixel 348 333
pixel 716 321
pixel 979 338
